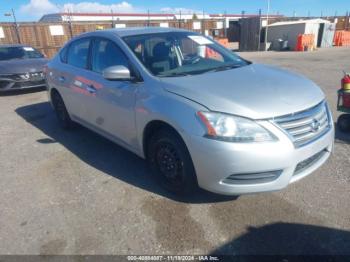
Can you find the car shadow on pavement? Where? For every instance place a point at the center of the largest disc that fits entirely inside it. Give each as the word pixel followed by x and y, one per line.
pixel 104 155
pixel 22 91
pixel 341 137
pixel 289 239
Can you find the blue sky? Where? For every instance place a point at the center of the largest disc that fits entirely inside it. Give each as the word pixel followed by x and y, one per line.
pixel 31 10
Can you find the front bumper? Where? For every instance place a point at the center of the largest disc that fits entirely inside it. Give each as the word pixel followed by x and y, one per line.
pixel 215 161
pixel 15 82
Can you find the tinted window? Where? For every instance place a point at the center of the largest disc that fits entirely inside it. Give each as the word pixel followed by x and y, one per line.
pixel 19 52
pixel 105 53
pixel 78 53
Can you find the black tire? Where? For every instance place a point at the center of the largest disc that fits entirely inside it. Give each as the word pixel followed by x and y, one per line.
pixel 171 162
pixel 61 111
pixel 343 123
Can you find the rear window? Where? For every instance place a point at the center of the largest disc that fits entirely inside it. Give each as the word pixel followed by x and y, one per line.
pixel 19 52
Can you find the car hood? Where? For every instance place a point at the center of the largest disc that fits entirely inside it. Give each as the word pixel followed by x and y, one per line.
pixel 255 91
pixel 18 66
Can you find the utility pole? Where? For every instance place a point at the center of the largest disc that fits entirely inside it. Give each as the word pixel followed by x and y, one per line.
pixel 180 26
pixel 15 23
pixel 203 23
pixel 112 18
pixel 148 22
pixel 225 24
pixel 70 23
pixel 267 23
pixel 259 29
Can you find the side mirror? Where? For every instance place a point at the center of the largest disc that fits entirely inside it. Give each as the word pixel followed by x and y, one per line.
pixel 119 72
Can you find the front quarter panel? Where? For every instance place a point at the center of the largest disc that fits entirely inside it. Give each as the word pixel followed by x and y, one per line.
pixel 177 111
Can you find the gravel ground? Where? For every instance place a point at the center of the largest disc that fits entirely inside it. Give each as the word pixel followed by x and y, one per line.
pixel 76 193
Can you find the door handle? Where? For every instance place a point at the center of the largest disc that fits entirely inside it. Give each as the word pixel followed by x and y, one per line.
pixel 61 79
pixel 91 89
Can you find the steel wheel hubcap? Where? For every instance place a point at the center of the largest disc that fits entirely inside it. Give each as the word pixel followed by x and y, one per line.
pixel 169 163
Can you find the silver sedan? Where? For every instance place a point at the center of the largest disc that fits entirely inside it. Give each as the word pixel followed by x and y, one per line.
pixel 200 114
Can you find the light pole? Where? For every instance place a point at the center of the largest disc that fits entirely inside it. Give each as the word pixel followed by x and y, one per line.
pixel 267 23
pixel 15 22
pixel 148 20
pixel 225 24
pixel 112 18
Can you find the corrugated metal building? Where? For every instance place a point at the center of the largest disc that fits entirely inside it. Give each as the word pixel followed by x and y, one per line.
pixel 323 30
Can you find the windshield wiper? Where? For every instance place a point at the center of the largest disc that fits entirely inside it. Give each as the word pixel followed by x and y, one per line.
pixel 175 74
pixel 224 67
pixel 217 69
pixel 13 58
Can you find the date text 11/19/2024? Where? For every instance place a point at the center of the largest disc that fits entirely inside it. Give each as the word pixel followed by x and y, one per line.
pixel 172 258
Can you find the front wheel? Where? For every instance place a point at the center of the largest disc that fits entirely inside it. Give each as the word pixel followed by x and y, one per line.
pixel 171 162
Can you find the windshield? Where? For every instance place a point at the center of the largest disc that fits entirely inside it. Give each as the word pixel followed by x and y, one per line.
pixel 19 52
pixel 181 53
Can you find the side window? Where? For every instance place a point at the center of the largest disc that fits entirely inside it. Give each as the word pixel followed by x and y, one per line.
pixel 63 54
pixel 78 53
pixel 105 53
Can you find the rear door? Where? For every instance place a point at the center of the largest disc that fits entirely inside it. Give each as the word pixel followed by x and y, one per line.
pixel 73 75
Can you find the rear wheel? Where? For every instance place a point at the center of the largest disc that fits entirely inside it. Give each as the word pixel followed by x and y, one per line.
pixel 61 111
pixel 171 163
pixel 344 123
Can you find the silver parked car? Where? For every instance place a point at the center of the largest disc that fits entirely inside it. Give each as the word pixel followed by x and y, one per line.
pixel 21 67
pixel 198 113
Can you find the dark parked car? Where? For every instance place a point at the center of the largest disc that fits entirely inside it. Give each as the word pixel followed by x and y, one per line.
pixel 21 66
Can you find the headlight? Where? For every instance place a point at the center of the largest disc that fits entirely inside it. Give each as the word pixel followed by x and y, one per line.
pixel 233 128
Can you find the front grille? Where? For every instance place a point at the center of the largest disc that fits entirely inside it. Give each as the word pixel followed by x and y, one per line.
pixel 303 165
pixel 306 126
pixel 33 76
pixel 28 84
pixel 12 77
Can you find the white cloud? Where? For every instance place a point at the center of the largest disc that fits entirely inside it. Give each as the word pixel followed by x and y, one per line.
pixel 35 9
pixel 38 8
pixel 89 7
pixel 177 10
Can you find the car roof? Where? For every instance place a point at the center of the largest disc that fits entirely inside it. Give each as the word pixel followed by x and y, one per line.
pixel 122 32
